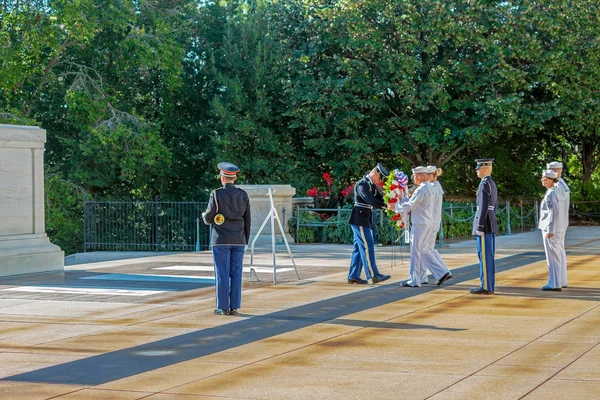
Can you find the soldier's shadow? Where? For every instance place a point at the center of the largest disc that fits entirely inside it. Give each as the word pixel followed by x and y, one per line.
pixel 570 293
pixel 357 323
pixel 388 325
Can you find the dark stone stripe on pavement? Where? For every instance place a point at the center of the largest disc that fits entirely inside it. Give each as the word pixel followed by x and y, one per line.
pixel 120 364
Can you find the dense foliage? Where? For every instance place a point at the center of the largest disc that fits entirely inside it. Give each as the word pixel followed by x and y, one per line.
pixel 143 97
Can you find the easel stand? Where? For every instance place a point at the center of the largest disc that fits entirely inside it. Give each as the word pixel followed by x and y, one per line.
pixel 272 217
pixel 398 242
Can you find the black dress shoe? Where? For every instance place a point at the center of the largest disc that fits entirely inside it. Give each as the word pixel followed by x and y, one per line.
pixel 480 290
pixel 444 278
pixel 564 287
pixel 380 278
pixel 406 284
pixel 357 281
pixel 551 289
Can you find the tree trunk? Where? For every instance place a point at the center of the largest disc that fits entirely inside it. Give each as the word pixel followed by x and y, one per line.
pixel 429 157
pixel 589 161
pixel 439 159
pixel 589 158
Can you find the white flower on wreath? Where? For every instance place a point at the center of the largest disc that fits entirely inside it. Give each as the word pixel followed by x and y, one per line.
pixel 393 194
pixel 394 182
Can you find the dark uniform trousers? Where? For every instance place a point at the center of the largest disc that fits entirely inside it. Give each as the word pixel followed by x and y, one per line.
pixel 228 275
pixel 486 249
pixel 485 221
pixel 363 254
pixel 228 242
pixel 367 199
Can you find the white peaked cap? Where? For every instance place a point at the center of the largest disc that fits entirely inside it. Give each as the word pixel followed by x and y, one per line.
pixel 419 170
pixel 431 169
pixel 550 174
pixel 554 164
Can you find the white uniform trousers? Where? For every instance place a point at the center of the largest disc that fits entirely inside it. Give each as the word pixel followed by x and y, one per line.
pixel 419 248
pixel 431 258
pixel 553 247
pixel 563 261
pixel 426 260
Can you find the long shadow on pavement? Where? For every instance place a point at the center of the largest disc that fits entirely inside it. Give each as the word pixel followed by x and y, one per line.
pixel 119 364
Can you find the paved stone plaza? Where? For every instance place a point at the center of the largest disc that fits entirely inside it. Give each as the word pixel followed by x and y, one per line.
pixel 144 328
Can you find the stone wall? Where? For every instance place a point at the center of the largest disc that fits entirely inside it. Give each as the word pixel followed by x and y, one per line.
pixel 260 207
pixel 24 245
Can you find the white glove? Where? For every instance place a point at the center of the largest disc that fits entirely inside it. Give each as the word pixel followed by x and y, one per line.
pixel 479 233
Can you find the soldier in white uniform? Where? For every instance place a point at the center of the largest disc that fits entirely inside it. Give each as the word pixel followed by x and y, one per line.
pixel 420 205
pixel 565 193
pixel 553 228
pixel 433 259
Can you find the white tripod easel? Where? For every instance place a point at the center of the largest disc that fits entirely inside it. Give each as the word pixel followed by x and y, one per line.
pixel 272 216
pixel 406 236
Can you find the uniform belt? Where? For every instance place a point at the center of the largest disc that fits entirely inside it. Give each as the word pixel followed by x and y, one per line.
pixel 489 208
pixel 363 205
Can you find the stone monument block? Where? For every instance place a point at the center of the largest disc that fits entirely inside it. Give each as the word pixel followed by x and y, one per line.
pixel 260 207
pixel 24 245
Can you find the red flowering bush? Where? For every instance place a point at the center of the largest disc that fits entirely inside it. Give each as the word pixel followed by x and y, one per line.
pixel 331 198
pixel 314 192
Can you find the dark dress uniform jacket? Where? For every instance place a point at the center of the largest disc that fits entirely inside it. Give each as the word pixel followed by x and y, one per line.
pixel 233 203
pixel 487 205
pixel 365 195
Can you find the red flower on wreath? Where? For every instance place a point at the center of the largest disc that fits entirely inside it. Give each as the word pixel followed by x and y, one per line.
pixel 395 190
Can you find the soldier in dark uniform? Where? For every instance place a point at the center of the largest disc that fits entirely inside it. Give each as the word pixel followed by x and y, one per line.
pixel 229 214
pixel 485 226
pixel 367 198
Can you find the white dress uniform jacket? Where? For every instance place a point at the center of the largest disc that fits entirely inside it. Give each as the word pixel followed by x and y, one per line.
pixel 552 222
pixel 549 210
pixel 565 195
pixel 420 207
pixel 438 199
pixel 432 259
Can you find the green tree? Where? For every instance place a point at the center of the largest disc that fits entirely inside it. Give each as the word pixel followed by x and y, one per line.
pixel 407 83
pixel 571 38
pixel 247 65
pixel 95 74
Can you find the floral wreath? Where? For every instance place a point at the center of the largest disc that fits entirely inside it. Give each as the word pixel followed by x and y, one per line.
pixel 395 189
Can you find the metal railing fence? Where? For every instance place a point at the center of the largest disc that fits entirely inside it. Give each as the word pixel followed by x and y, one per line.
pixel 456 218
pixel 144 226
pixel 585 211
